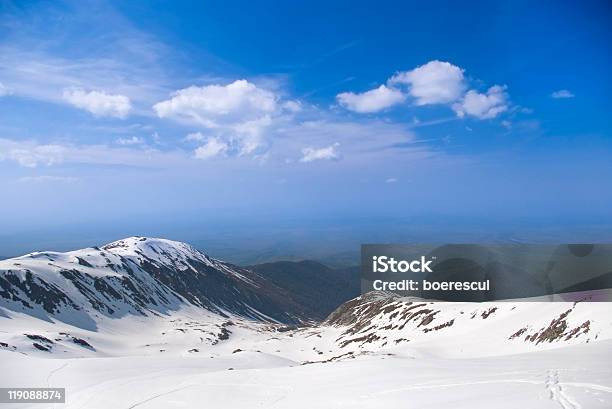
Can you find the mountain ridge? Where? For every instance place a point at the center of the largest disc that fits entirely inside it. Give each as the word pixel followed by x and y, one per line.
pixel 138 275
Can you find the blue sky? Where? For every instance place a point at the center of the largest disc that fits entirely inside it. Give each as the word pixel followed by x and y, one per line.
pixel 175 118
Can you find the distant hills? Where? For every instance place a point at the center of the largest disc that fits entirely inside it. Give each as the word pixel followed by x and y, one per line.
pixel 320 289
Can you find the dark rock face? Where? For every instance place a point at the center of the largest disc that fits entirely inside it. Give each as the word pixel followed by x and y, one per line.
pixel 82 342
pixel 41 347
pixel 218 289
pixel 558 329
pixel 39 338
pixel 32 290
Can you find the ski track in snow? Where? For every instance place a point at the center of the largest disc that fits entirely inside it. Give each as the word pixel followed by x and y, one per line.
pixel 557 393
pixel 159 395
pixel 53 372
pixel 593 386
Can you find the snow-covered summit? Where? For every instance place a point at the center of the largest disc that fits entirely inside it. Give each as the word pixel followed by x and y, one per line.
pixel 164 251
pixel 136 275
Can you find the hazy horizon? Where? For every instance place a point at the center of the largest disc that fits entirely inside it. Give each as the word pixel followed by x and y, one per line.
pixel 336 243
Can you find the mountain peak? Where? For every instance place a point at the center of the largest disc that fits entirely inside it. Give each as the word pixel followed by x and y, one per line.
pixel 141 243
pixel 164 251
pixel 137 275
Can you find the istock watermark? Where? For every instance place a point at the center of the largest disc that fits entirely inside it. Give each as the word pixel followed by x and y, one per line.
pixel 383 264
pixel 476 272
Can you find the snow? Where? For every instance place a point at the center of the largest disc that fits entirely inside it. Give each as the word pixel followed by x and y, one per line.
pixel 152 362
pixel 163 251
pixel 567 378
pixel 374 352
pixel 173 254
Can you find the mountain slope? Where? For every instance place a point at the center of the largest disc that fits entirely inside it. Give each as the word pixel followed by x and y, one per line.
pixel 141 276
pixel 318 288
pixel 378 320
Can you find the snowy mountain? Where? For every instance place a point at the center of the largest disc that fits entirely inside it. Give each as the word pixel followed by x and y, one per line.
pixel 137 275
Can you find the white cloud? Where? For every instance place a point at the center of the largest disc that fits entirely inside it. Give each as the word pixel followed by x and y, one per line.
pixel 98 103
pixel 47 179
pixel 134 140
pixel 240 113
pixel 4 91
pixel 562 93
pixel 312 154
pixel 436 82
pixel 391 180
pixel 483 106
pixel 217 105
pixel 212 147
pixel 371 101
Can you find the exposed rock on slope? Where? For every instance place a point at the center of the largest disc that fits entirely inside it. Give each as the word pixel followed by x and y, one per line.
pixel 377 320
pixel 137 275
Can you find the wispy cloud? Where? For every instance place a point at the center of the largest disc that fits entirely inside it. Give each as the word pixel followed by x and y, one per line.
pixel 32 154
pixel 37 75
pixel 120 59
pixel 47 179
pixel 134 140
pixel 562 93
pixel 195 137
pixel 4 91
